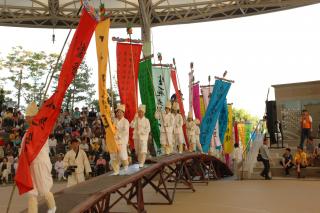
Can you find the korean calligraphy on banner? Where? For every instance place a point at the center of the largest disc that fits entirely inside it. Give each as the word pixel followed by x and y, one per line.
pixel 102 36
pixel 161 83
pixel 128 58
pixel 217 99
pixel 43 122
pixel 228 139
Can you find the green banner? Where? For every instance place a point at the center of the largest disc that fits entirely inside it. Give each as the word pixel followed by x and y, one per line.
pixel 248 130
pixel 148 99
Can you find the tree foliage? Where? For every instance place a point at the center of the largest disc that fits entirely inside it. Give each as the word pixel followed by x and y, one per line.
pixel 241 115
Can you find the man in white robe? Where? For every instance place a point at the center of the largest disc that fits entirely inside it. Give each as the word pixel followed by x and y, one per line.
pixel 122 139
pixel 177 129
pixel 40 169
pixel 76 163
pixel 166 130
pixel 197 136
pixel 141 132
pixel 191 127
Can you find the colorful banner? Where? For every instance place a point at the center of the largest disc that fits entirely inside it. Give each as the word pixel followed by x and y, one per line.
pixel 228 144
pixel 128 58
pixel 202 107
pixel 44 121
pixel 161 83
pixel 148 99
pixel 242 135
pixel 196 101
pixel 236 133
pixel 248 129
pixel 217 99
pixel 190 90
pixel 180 102
pixel 102 36
pixel 223 120
pixel 206 91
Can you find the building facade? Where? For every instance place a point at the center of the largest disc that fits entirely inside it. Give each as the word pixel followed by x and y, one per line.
pixel 291 99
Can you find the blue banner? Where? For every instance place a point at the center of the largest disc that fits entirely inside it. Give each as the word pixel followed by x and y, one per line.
pixel 215 106
pixel 223 120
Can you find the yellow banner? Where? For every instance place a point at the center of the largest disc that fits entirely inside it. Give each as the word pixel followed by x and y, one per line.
pixel 228 139
pixel 102 36
pixel 242 134
pixel 202 107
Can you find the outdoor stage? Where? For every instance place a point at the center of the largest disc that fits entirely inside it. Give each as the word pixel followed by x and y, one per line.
pixel 165 175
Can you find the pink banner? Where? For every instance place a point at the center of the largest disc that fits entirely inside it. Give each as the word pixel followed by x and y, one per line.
pixel 196 100
pixel 206 91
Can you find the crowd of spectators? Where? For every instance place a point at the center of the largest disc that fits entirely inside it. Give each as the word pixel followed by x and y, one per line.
pixel 84 125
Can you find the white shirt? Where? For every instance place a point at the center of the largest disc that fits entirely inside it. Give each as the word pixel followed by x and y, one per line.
pixel 191 128
pixel 166 120
pixel 52 142
pixel 81 161
pixel 122 133
pixel 178 123
pixel 141 128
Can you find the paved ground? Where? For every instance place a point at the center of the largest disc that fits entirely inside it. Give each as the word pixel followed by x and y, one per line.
pixel 226 196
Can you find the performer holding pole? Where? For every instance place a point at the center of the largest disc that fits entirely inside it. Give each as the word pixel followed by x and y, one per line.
pixel 177 128
pixel 166 129
pixel 141 132
pixel 40 169
pixel 191 127
pixel 197 135
pixel 122 139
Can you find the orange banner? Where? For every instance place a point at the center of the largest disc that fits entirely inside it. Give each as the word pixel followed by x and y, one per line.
pixel 128 58
pixel 43 122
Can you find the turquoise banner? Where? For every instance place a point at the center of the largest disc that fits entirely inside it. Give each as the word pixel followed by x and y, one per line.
pixel 215 106
pixel 223 121
pixel 161 83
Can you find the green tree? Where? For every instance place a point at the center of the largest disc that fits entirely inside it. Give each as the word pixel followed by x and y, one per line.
pixel 81 88
pixel 241 115
pixel 16 63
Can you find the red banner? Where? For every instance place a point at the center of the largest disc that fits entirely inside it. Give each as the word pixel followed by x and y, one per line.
pixel 128 58
pixel 43 122
pixel 179 98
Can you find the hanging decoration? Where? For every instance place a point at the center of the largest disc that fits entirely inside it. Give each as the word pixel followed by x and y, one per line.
pixel 128 58
pixel 43 123
pixel 102 36
pixel 215 105
pixel 148 98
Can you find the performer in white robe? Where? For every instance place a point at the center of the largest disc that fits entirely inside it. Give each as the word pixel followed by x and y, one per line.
pixel 59 167
pixel 191 127
pixel 197 136
pixel 177 128
pixel 166 130
pixel 77 159
pixel 122 139
pixel 141 132
pixel 40 169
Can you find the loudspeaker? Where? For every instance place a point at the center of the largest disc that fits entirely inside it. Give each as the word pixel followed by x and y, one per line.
pixel 271 120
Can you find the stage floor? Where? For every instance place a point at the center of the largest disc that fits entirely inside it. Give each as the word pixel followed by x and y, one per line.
pixel 223 196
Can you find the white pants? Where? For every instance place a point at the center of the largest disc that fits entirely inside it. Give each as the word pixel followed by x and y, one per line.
pixel 60 173
pixel 41 178
pixel 141 146
pixel 166 138
pixel 75 178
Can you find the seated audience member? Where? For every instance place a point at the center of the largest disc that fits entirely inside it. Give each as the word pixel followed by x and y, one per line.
pixel 300 160
pixel 84 145
pixel 101 165
pixel 5 170
pixel 287 161
pixel 58 166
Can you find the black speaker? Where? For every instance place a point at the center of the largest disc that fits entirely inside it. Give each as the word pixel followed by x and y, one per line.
pixel 271 120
